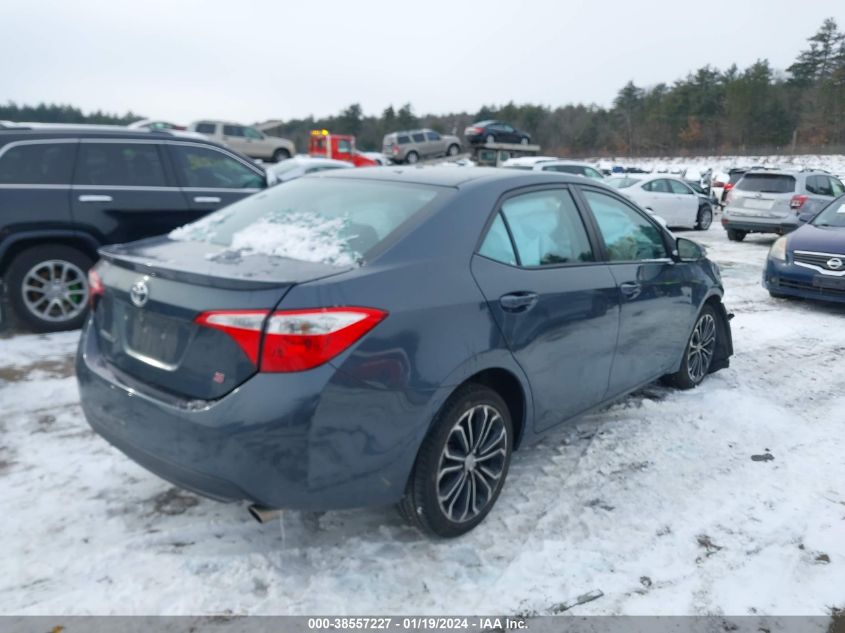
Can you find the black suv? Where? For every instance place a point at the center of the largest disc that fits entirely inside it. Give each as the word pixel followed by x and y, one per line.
pixel 66 191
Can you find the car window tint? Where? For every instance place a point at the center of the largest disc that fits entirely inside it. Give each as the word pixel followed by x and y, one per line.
pixel 233 130
pixel 205 128
pixel 37 164
pixel 812 185
pixel 766 183
pixel 547 228
pixel 432 136
pixel 212 169
pixel 252 133
pixel 592 173
pixel 125 164
pixel 657 186
pixel 836 186
pixel 679 188
pixel 627 235
pixel 344 146
pixel 419 137
pixel 403 139
pixel 497 244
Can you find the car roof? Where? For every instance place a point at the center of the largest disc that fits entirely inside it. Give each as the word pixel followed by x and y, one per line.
pixel 530 160
pixel 451 176
pixel 46 131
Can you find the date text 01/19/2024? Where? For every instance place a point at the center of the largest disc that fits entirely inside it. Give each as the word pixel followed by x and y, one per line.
pixel 428 623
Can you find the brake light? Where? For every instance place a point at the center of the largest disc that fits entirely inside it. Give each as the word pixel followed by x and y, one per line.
pixel 95 287
pixel 729 186
pixel 797 202
pixel 294 340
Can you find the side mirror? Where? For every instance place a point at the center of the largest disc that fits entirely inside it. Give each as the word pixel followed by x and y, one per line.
pixel 271 178
pixel 689 251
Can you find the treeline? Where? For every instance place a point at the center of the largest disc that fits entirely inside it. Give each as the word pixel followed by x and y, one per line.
pixel 709 111
pixel 57 113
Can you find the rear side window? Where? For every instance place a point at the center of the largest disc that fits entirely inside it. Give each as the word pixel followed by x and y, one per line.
pixel 205 168
pixel 37 164
pixel 419 137
pixel 497 244
pixel 403 139
pixel 120 164
pixel 767 183
pixel 319 220
pixel 547 228
pixel 627 235
pixel 205 128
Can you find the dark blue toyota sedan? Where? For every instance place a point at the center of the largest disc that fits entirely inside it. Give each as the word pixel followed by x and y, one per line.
pixel 810 262
pixel 380 336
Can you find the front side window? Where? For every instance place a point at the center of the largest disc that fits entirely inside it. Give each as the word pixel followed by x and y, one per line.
pixel 120 164
pixel 628 236
pixel 205 128
pixel 205 168
pixel 251 132
pixel 679 188
pixel 233 130
pixel 344 146
pixel 547 228
pixel 836 186
pixel 657 186
pixel 432 136
pixel 589 172
pixel 37 164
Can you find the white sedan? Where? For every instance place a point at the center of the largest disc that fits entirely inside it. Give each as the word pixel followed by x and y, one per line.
pixel 670 198
pixel 299 166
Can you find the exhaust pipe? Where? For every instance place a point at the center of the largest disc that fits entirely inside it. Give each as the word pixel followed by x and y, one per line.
pixel 262 514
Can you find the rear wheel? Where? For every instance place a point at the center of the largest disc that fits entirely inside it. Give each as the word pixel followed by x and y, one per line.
pixel 524 140
pixel 735 235
pixel 412 158
pixel 453 150
pixel 462 464
pixel 698 355
pixel 48 287
pixel 281 154
pixel 490 139
pixel 705 217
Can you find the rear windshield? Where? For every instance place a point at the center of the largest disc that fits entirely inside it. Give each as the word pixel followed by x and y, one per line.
pixel 767 183
pixel 321 220
pixel 832 215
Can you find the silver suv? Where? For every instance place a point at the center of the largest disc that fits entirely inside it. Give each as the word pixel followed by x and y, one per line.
pixel 411 146
pixel 777 200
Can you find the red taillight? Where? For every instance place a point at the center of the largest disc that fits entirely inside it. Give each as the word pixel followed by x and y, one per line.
pixel 797 202
pixel 95 287
pixel 294 340
pixel 729 186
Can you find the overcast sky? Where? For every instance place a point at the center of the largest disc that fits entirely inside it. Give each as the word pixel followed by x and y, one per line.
pixel 182 60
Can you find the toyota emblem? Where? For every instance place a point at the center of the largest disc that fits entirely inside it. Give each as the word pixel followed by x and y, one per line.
pixel 139 293
pixel 834 263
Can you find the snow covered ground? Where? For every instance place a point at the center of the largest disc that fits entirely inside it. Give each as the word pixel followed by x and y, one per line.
pixel 728 499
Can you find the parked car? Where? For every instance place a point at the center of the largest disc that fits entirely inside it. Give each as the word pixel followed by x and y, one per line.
pixel 810 262
pixel 299 166
pixel 670 198
pixel 772 201
pixel 409 147
pixel 246 139
pixel 485 132
pixel 526 163
pixel 272 352
pixel 66 191
pixel 704 192
pixel 150 124
pixel 569 167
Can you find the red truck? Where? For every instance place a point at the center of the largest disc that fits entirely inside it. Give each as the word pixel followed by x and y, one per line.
pixel 337 146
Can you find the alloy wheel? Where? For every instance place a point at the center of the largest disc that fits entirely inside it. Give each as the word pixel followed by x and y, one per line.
pixel 701 347
pixel 472 463
pixel 55 290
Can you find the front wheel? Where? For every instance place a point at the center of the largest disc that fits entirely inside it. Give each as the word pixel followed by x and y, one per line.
pixel 453 150
pixel 705 218
pixel 490 139
pixel 462 464
pixel 524 140
pixel 698 355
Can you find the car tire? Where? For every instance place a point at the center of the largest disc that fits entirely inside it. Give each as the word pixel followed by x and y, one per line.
pixel 42 266
pixel 280 154
pixel 453 150
pixel 524 140
pixel 412 158
pixel 735 235
pixel 704 218
pixel 448 492
pixel 699 351
pixel 490 139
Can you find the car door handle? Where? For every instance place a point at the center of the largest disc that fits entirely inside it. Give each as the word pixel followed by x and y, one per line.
pixel 518 301
pixel 93 198
pixel 206 199
pixel 630 289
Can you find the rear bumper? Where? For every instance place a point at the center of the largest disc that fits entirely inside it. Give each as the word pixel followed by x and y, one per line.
pixel 795 281
pixel 751 224
pixel 315 440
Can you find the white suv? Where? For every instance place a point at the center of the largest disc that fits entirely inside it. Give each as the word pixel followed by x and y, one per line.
pixel 246 140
